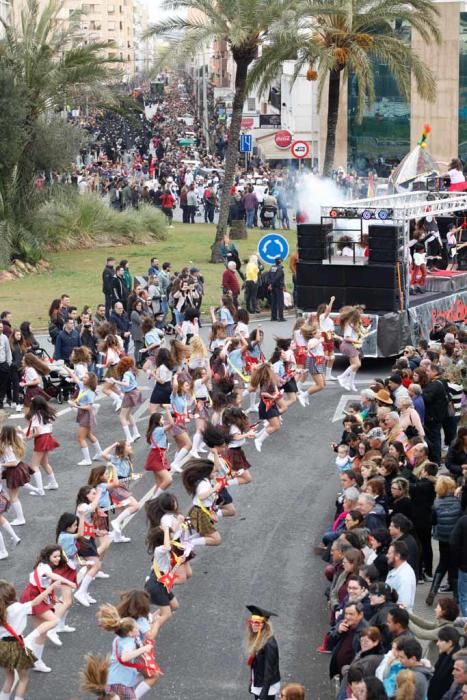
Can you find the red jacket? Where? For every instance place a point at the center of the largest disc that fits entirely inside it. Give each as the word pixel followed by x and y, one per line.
pixel 230 282
pixel 167 200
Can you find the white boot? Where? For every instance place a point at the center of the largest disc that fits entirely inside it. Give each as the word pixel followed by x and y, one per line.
pixel 260 438
pixel 36 482
pixel 11 533
pixel 37 650
pixel 197 442
pixel 126 432
pixel 176 465
pixel 17 510
pixel 134 432
pixel 3 549
pixel 97 451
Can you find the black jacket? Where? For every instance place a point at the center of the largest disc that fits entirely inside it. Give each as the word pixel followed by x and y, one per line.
pixel 422 493
pixel 107 277
pixel 458 542
pixel 436 402
pixel 412 545
pixel 265 667
pixel 442 677
pixel 276 277
pixel 455 458
pixel 119 290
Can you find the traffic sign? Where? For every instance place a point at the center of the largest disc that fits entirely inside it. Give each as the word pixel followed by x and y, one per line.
pixel 246 143
pixel 247 122
pixel 273 246
pixel 300 149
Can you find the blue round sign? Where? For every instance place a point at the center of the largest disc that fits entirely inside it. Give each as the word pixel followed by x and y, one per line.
pixel 273 246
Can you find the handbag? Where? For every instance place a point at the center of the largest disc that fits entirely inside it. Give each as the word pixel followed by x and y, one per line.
pixel 411 431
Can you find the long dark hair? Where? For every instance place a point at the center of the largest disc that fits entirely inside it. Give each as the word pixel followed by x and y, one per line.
pixel 215 435
pixel 40 407
pixel 158 507
pixel 46 552
pixel 154 422
pixel 233 415
pixel 164 357
pixel 83 493
pixel 154 538
pixel 195 471
pixel 65 521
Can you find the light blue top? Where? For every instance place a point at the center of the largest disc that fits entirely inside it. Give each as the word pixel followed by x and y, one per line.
pixel 86 396
pixel 226 316
pixel 159 436
pixel 118 674
pixel 255 351
pixel 104 497
pixel 122 466
pixel 236 359
pixel 279 369
pixel 67 542
pixel 153 337
pixel 143 626
pixel 178 403
pixel 130 382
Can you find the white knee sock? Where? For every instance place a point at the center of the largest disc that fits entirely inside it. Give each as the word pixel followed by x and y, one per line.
pixel 16 510
pixel 252 399
pixel 134 430
pixel 51 481
pixel 232 482
pixel 9 530
pixel 85 453
pixel 98 448
pixel 4 696
pixel 37 479
pixel 197 441
pixel 142 689
pixel 262 435
pixel 61 622
pixel 85 583
pixel 198 541
pixel 180 456
pixel 126 430
pixel 124 514
pixel 3 549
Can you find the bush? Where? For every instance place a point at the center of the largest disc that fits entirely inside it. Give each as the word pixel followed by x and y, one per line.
pixel 69 220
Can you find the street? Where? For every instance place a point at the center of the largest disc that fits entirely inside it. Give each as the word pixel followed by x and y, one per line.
pixel 266 558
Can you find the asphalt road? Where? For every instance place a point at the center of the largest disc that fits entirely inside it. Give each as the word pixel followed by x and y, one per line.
pixel 266 558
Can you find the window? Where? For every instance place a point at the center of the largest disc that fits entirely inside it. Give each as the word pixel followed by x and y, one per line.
pixel 111 26
pixel 121 9
pixel 251 103
pixel 94 25
pixel 110 9
pixel 121 26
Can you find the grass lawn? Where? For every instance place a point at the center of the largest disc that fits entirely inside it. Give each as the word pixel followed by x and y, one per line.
pixel 78 272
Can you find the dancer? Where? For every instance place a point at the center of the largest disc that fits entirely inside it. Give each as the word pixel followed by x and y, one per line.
pixel 15 472
pixel 181 400
pixel 119 458
pixel 156 461
pixel 200 378
pixel 351 323
pixel 35 370
pixel 81 359
pixel 197 482
pixel 69 530
pixel 126 373
pixel 252 357
pixel 5 525
pixel 453 238
pixel 328 332
pixel 86 416
pixel 15 656
pixel 110 348
pixel 152 343
pixel 163 375
pixel 284 366
pixel 41 417
pixel 164 511
pixel 239 431
pixel 87 503
pixel 263 654
pixel 126 658
pixel 47 613
pixel 315 362
pixel 198 354
pixel 264 378
pixel 157 585
pixel 94 678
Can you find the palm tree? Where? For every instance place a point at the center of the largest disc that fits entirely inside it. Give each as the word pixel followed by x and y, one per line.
pixel 337 37
pixel 44 63
pixel 244 25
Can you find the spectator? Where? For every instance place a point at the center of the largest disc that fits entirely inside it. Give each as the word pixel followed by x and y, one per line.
pixel 401 576
pixel 459 674
pixel 107 285
pixel 446 513
pixel 5 318
pixel 345 638
pixel 292 691
pixel 230 283
pixel 457 453
pixel 415 393
pixel 436 411
pixel 154 270
pixel 410 655
pixel 168 205
pixel 446 612
pixel 400 529
pixel 120 292
pixel 422 493
pixel 127 277
pixel 192 205
pixel 458 543
pixel 367 658
pixel 100 316
pixel 136 320
pixel 373 513
pixel 401 502
pixel 120 320
pixel 251 285
pixel 5 363
pixel 68 339
pixel 448 645
pixel 397 622
pixel 250 203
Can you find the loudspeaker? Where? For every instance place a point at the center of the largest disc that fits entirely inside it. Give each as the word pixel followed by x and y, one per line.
pixel 310 274
pixel 374 276
pixel 311 240
pixel 313 230
pixel 382 256
pixel 373 299
pixel 316 254
pixel 384 243
pixel 308 298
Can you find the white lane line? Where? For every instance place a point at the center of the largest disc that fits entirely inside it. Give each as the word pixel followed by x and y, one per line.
pixel 147 497
pixel 343 401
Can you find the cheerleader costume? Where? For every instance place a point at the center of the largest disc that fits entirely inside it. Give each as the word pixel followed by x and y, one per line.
pixel 316 359
pixel 44 441
pixel 87 543
pixel 299 348
pixel 200 513
pixel 180 414
pixel 39 580
pixel 86 397
pixel 14 655
pixel 290 386
pixel 122 469
pixel 326 326
pixel 227 320
pixel 112 358
pixel 31 375
pixel 161 565
pixel 202 399
pixel 69 570
pixel 267 407
pixel 4 501
pixel 18 475
pixel 235 453
pixel 253 356
pixel 156 461
pixel 122 676
pixel 131 394
pixel 153 337
pixel 163 387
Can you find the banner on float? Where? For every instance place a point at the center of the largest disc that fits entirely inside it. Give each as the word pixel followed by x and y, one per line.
pixel 452 308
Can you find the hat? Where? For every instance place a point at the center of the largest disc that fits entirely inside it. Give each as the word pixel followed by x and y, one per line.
pixel 395 378
pixel 377 433
pixel 194 269
pixel 260 612
pixel 383 396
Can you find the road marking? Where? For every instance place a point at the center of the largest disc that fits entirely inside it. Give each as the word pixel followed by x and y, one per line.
pixel 343 401
pixel 147 497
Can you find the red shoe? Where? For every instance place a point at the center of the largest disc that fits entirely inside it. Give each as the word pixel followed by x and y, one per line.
pixel 322 650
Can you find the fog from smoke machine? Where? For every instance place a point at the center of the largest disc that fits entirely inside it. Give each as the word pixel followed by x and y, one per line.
pixel 314 192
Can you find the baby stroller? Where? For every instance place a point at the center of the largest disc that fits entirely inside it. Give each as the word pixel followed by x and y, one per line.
pixel 57 384
pixel 267 216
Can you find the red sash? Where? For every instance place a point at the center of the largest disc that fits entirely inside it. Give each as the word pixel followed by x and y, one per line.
pixel 37 582
pixel 146 664
pixel 14 634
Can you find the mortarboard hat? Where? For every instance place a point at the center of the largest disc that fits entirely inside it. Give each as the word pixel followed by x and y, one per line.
pixel 260 612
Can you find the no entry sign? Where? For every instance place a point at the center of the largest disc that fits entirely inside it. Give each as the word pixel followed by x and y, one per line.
pixel 300 149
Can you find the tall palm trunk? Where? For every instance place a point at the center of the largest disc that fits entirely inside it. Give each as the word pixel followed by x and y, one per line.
pixel 231 156
pixel 333 113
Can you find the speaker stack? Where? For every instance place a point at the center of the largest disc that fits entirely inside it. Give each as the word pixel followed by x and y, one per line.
pixel 374 285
